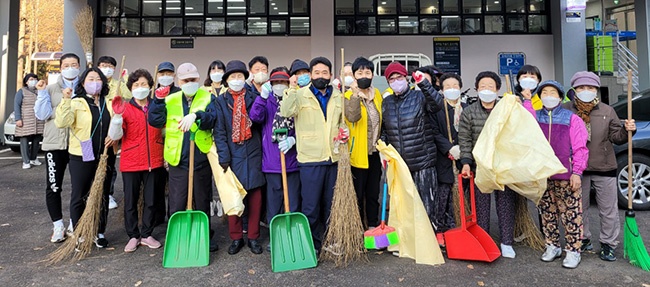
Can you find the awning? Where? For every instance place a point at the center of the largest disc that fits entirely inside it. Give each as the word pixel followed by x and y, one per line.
pixel 46 56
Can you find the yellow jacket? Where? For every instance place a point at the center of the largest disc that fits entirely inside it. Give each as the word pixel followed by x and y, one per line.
pixel 76 115
pixel 536 102
pixel 112 90
pixel 314 134
pixel 359 131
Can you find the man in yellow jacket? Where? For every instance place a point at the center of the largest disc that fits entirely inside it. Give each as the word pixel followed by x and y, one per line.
pixel 317 111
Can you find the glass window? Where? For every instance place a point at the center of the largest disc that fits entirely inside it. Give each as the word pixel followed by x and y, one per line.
pixel 450 6
pixel 429 7
pixel 537 24
pixel 429 25
pixel 472 25
pixel 365 26
pixel 344 7
pixel 257 7
pixel 408 7
pixel 366 6
pixel 151 8
pixel 516 23
pixel 173 7
pixel 110 8
pixel 299 26
pixel 537 6
pixel 279 7
pixel 515 6
pixel 215 26
pixel 387 26
pixel 257 26
pixel 493 6
pixel 472 6
pixel 279 26
pixel 215 8
pixel 344 26
pixel 408 25
pixel 235 8
pixel 300 6
pixel 235 27
pixel 451 25
pixel 494 24
pixel 131 8
pixel 109 26
pixel 173 26
pixel 151 26
pixel 387 7
pixel 194 27
pixel 193 7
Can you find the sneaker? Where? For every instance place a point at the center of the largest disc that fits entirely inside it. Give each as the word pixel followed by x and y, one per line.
pixel 607 252
pixel 586 245
pixel 132 245
pixel 441 239
pixel 335 249
pixel 213 207
pixel 150 242
pixel 213 245
pixel 571 260
pixel 219 208
pixel 27 166
pixel 507 251
pixel 268 248
pixel 552 252
pixel 58 234
pixel 35 162
pixel 395 253
pixel 100 242
pixel 112 204
pixel 69 232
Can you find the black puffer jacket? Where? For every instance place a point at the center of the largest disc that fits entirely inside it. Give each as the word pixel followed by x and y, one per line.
pixel 471 124
pixel 444 164
pixel 407 125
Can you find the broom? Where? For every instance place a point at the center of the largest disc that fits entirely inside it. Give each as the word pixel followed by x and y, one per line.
pixel 345 229
pixel 382 236
pixel 633 249
pixel 84 25
pixel 454 187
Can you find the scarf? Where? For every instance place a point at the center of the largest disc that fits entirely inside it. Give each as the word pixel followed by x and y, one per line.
pixel 241 124
pixel 458 109
pixel 280 122
pixel 583 111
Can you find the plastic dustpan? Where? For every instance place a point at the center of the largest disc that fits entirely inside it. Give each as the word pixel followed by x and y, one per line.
pixel 470 241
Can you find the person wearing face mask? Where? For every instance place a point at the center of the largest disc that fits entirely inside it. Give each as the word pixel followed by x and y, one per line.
pixel 528 78
pixel 166 74
pixel 87 116
pixel 190 110
pixel 266 112
pixel 258 68
pixel 363 116
pixel 28 128
pixel 212 82
pixel 470 126
pixel 141 159
pixel 55 139
pixel 604 130
pixel 567 135
pixel 299 73
pixel 239 145
pixel 316 109
pixel 408 126
pixel 348 78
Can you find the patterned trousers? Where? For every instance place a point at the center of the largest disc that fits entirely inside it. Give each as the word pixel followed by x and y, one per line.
pixel 560 200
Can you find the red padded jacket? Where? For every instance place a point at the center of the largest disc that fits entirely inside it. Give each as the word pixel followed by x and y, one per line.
pixel 142 144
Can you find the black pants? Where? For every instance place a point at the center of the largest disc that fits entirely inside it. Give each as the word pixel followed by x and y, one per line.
pixel 82 175
pixel 366 185
pixel 161 206
pixel 55 163
pixel 154 187
pixel 178 180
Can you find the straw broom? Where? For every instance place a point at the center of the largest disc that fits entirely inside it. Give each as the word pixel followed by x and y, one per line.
pixel 84 26
pixel 454 187
pixel 345 229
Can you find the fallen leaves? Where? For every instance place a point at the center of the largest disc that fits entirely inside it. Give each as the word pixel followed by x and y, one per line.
pixel 152 254
pixel 110 248
pixel 480 283
pixel 379 252
pixel 38 248
pixel 5 224
pixel 138 283
pixel 470 266
pixel 401 279
pixel 251 272
pixel 226 275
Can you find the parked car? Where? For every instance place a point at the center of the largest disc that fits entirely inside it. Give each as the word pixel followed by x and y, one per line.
pixel 10 130
pixel 641 153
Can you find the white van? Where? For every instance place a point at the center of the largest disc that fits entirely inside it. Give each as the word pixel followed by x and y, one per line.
pixel 381 61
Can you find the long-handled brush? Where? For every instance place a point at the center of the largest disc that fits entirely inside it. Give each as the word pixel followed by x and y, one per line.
pixel 84 26
pixel 454 188
pixel 633 247
pixel 383 235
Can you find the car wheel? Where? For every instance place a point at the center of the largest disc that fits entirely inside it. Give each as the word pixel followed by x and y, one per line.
pixel 15 148
pixel 641 191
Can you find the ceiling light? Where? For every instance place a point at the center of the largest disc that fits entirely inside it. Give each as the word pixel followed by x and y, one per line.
pixel 272 4
pixel 383 3
pixel 275 8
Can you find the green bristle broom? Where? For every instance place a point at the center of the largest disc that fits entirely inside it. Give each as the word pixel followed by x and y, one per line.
pixel 383 235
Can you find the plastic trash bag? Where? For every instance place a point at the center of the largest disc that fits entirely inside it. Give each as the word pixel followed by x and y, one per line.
pixel 231 191
pixel 512 150
pixel 407 215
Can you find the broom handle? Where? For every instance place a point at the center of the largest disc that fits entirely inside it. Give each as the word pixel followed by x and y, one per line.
pixel 383 204
pixel 342 85
pixel 630 163
pixel 155 83
pixel 121 79
pixel 508 89
pixel 285 188
pixel 190 185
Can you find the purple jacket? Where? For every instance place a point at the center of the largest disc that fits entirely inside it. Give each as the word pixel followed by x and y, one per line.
pixel 263 112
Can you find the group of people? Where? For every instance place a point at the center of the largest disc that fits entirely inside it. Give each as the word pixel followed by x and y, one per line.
pixel 251 116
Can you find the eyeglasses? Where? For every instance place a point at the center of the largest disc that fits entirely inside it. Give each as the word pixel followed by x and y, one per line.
pixel 393 79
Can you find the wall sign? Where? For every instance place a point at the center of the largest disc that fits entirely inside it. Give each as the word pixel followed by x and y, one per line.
pixel 511 62
pixel 182 43
pixel 446 54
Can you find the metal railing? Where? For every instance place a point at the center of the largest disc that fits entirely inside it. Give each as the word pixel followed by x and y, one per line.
pixel 627 60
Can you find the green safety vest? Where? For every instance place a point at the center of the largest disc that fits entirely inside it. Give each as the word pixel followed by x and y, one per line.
pixel 174 136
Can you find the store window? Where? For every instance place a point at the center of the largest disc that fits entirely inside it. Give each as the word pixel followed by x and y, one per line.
pixel 208 17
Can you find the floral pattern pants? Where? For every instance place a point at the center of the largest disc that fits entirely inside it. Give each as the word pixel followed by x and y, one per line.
pixel 560 200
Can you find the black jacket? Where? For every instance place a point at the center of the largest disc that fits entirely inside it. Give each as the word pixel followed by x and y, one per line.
pixel 443 163
pixel 408 126
pixel 471 124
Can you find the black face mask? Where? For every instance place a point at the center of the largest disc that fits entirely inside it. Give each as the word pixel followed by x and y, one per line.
pixel 364 83
pixel 320 83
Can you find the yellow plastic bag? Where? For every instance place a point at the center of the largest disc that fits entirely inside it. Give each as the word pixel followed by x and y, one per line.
pixel 231 191
pixel 512 150
pixel 407 215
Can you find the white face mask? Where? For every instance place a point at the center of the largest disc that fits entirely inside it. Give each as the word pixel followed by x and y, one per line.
pixel 236 85
pixel 487 96
pixel 528 83
pixel 32 83
pixel 348 81
pixel 70 73
pixel 451 94
pixel 108 72
pixel 260 78
pixel 216 77
pixel 190 89
pixel 140 93
pixel 165 80
pixel 278 90
pixel 586 96
pixel 550 102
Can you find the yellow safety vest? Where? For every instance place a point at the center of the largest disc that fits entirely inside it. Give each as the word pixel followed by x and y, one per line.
pixel 174 136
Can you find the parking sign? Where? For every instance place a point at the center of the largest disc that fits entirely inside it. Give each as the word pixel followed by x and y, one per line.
pixel 511 62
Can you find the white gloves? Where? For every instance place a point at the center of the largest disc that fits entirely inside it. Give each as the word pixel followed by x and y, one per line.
pixel 266 90
pixel 186 123
pixel 115 131
pixel 455 152
pixel 286 144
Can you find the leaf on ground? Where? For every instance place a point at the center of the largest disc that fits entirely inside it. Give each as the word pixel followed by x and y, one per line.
pixel 152 254
pixel 226 275
pixel 110 248
pixel 138 283
pixel 38 248
pixel 1 267
pixel 251 272
pixel 470 266
pixel 379 252
pixel 102 269
pixel 642 285
pixel 5 224
pixel 401 279
pixel 480 283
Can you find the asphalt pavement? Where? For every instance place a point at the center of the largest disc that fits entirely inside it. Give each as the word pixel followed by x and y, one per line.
pixel 25 228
